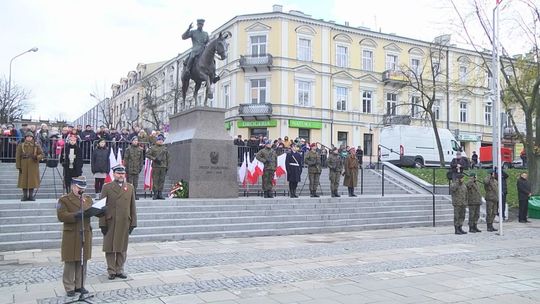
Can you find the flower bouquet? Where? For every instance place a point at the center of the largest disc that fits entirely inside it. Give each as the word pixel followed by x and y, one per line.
pixel 179 190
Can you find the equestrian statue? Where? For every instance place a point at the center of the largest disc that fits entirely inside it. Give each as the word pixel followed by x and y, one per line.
pixel 200 65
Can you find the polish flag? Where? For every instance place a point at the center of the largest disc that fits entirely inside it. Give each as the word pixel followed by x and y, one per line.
pixel 281 169
pixel 147 174
pixel 243 170
pixel 255 169
pixel 112 160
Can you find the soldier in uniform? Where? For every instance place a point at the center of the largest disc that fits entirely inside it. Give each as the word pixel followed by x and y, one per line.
pixel 294 162
pixel 492 199
pixel 199 39
pixel 474 199
pixel 458 189
pixel 27 157
pixel 335 166
pixel 268 157
pixel 72 161
pixel 313 160
pixel 119 221
pixel 159 156
pixel 68 211
pixel 134 161
pixel 351 172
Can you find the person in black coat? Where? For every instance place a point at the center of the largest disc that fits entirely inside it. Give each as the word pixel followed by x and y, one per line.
pixel 294 162
pixel 524 192
pixel 72 161
pixel 458 165
pixel 101 165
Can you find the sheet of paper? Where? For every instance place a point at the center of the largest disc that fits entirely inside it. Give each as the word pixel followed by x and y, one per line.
pixel 99 204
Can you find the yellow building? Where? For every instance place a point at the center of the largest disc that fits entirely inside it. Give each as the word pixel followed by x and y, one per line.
pixel 288 74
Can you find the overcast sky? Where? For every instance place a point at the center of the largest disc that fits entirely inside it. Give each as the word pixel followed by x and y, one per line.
pixel 85 46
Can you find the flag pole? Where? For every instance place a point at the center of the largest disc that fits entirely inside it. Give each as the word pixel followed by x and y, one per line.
pixel 497 111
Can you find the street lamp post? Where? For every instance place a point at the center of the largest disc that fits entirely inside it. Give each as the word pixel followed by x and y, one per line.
pixel 34 49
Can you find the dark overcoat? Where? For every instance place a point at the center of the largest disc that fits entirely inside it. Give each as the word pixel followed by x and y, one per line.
pixel 101 162
pixel 28 155
pixel 119 216
pixel 294 162
pixel 68 205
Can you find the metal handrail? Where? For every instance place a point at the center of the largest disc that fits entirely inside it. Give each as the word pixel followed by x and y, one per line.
pixel 432 191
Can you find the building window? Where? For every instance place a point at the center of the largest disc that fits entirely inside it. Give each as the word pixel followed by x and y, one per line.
pixel 436 108
pixel 415 66
pixel 487 114
pixel 341 98
pixel 304 133
pixel 304 92
pixel 391 103
pixel 463 111
pixel 304 49
pixel 415 106
pixel 258 45
pixel 342 56
pixel 391 62
pixel 367 98
pixel 258 91
pixel 367 60
pixel 226 96
pixel 258 131
pixel 342 139
pixel 368 144
pixel 462 74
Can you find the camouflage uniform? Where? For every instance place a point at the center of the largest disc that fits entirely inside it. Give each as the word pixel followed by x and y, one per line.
pixel 492 200
pixel 474 199
pixel 160 164
pixel 268 157
pixel 458 189
pixel 313 160
pixel 134 160
pixel 335 166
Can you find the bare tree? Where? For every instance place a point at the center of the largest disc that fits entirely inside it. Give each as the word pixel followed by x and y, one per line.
pixel 152 111
pixel 520 74
pixel 16 106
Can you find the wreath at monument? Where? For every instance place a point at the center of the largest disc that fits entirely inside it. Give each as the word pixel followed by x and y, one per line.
pixel 180 190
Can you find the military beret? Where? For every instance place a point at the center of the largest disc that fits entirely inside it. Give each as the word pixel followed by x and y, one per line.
pixel 29 134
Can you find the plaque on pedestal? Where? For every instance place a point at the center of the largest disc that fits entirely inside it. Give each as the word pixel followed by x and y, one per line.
pixel 202 153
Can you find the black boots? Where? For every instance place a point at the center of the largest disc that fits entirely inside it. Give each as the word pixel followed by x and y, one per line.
pixel 268 194
pixel 490 228
pixel 25 195
pixel 474 229
pixel 158 196
pixel 335 194
pixel 31 195
pixel 314 194
pixel 351 192
pixel 292 192
pixel 459 230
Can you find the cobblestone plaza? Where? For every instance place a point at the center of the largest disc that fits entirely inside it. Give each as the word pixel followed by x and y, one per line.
pixel 413 265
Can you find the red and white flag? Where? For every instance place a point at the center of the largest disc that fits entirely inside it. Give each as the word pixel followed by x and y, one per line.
pixel 281 169
pixel 147 174
pixel 112 161
pixel 255 169
pixel 242 171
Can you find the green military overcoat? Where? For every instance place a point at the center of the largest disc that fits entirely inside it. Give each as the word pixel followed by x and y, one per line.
pixel 68 205
pixel 27 157
pixel 121 214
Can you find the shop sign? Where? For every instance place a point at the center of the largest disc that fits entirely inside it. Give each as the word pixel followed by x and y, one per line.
pixel 305 124
pixel 257 123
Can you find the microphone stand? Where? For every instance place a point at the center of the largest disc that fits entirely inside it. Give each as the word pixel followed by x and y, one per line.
pixel 82 297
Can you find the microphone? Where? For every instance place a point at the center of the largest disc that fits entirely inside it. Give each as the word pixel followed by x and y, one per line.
pixel 81 192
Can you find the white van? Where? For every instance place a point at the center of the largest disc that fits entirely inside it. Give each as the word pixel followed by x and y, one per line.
pixel 416 146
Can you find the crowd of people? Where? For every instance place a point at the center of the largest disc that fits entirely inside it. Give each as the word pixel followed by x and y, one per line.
pixel 343 161
pixel 72 148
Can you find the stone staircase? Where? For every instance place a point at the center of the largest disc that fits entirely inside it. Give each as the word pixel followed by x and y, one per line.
pixel 33 225
pixel 53 179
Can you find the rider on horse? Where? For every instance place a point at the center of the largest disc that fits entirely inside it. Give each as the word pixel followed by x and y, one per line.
pixel 199 39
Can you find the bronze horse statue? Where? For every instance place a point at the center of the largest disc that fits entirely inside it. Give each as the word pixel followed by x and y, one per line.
pixel 204 68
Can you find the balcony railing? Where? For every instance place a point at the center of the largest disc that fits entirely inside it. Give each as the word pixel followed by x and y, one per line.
pixel 256 61
pixel 394 77
pixel 261 111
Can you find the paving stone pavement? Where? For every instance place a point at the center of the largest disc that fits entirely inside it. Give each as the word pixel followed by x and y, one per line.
pixel 413 265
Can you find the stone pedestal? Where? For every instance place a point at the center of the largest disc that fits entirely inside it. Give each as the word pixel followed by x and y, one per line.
pixel 203 153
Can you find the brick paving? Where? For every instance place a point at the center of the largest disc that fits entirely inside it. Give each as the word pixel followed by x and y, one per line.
pixel 413 265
